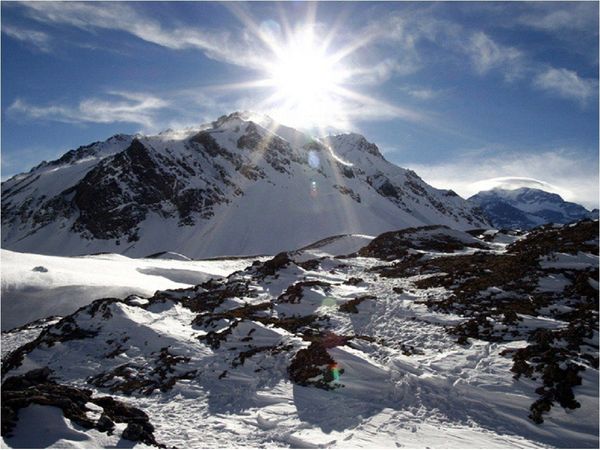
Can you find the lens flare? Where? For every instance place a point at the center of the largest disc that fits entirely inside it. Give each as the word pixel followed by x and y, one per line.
pixel 335 371
pixel 329 302
pixel 313 189
pixel 314 160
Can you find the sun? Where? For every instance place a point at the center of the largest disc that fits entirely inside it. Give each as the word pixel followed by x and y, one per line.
pixel 308 72
pixel 304 74
pixel 305 81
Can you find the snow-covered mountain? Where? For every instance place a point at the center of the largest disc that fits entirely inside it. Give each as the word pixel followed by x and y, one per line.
pixel 526 208
pixel 241 185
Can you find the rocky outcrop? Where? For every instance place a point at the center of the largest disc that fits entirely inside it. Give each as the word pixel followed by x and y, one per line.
pixel 494 292
pixel 37 388
pixel 397 244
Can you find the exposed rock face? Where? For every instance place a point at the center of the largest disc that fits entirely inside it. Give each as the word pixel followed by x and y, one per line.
pixel 36 387
pixel 396 244
pixel 38 198
pixel 115 196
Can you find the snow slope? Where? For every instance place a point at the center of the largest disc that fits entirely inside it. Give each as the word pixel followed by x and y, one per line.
pixel 526 208
pixel 333 246
pixel 55 430
pixel 37 286
pixel 350 352
pixel 231 188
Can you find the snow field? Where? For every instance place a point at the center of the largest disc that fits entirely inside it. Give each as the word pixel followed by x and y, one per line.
pixel 408 384
pixel 71 282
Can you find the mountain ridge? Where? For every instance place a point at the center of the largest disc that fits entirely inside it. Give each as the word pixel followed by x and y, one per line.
pixel 228 188
pixel 526 208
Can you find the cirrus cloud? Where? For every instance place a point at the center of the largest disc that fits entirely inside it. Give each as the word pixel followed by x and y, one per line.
pixel 38 39
pixel 130 107
pixel 567 84
pixel 566 172
pixel 567 16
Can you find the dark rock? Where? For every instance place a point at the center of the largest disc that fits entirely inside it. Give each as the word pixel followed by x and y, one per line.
pixel 105 424
pixel 351 305
pixel 313 366
pixel 294 293
pixel 396 244
pixel 272 266
pixel 134 432
pixel 129 378
pixel 311 264
pixel 35 387
pixel 347 191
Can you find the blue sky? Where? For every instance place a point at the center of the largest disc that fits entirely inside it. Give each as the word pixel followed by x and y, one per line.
pixel 463 93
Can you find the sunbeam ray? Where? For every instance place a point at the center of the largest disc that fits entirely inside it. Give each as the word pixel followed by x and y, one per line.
pixel 306 82
pixel 246 19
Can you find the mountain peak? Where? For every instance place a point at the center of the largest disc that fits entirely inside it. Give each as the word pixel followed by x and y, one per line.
pixel 242 116
pixel 237 117
pixel 526 194
pixel 526 207
pixel 348 145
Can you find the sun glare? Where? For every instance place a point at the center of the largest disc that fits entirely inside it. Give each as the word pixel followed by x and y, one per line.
pixel 305 72
pixel 305 80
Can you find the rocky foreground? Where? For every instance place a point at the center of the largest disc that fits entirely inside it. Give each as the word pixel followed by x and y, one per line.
pixel 424 337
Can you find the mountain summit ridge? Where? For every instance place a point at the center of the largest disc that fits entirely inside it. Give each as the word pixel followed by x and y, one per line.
pixel 231 187
pixel 527 208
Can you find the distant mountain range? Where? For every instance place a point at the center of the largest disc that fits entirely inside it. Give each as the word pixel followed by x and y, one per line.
pixel 526 208
pixel 240 185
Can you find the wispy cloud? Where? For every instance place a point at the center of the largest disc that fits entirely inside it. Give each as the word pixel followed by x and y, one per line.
pixel 119 16
pixel 407 33
pixel 486 54
pixel 380 72
pixel 423 93
pixel 567 16
pixel 242 47
pixel 37 39
pixel 568 173
pixel 567 84
pixel 402 32
pixel 130 107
